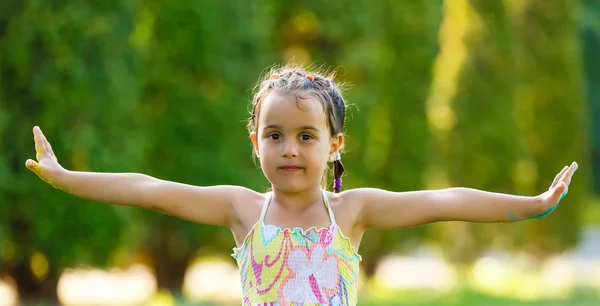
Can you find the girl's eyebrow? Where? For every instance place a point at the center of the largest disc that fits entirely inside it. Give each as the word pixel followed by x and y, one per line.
pixel 303 127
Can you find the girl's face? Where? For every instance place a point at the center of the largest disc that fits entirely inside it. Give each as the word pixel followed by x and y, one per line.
pixel 293 141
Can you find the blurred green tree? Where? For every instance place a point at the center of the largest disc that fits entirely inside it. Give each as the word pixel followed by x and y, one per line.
pixel 481 146
pixel 198 69
pixel 388 48
pixel 551 113
pixel 590 36
pixel 69 69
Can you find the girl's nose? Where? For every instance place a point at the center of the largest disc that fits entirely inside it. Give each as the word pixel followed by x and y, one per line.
pixel 290 149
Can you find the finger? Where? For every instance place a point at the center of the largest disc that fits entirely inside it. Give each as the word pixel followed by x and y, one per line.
pixel 48 147
pixel 52 152
pixel 565 173
pixel 45 143
pixel 560 188
pixel 569 174
pixel 33 166
pixel 558 176
pixel 40 148
pixel 560 192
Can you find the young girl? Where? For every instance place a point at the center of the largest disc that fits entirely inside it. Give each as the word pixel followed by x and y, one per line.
pixel 297 244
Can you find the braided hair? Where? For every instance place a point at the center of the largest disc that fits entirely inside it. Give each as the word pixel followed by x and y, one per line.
pixel 295 80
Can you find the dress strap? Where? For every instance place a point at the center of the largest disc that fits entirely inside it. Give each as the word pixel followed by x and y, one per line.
pixel 265 206
pixel 329 210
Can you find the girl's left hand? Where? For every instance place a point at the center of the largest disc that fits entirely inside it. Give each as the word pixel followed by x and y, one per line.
pixel 557 191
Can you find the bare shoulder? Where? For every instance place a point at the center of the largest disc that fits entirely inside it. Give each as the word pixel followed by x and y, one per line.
pixel 347 198
pixel 355 198
pixel 356 201
pixel 247 206
pixel 347 206
pixel 361 196
pixel 246 201
pixel 237 193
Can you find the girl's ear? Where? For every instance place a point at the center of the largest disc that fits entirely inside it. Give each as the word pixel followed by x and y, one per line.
pixel 337 144
pixel 254 142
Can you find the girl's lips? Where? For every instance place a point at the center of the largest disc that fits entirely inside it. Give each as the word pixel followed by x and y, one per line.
pixel 290 168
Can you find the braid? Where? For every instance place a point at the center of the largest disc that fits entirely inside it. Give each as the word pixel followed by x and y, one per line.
pixel 338 170
pixel 339 111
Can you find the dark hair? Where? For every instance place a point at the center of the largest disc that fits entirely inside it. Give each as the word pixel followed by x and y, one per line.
pixel 296 80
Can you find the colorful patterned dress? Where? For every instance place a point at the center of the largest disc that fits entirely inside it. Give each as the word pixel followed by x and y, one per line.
pixel 297 267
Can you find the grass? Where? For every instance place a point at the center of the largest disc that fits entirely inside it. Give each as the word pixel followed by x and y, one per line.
pixel 459 297
pixel 466 297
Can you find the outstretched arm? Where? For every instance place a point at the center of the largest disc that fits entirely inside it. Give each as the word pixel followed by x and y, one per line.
pixel 389 210
pixel 207 205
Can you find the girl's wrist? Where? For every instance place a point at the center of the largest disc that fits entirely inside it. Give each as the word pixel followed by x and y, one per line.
pixel 59 179
pixel 538 206
pixel 541 207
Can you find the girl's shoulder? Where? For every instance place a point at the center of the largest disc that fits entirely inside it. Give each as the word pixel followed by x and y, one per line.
pixel 246 206
pixel 346 205
pixel 247 201
pixel 348 198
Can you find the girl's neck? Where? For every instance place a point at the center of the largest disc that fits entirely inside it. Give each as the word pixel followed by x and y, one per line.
pixel 297 201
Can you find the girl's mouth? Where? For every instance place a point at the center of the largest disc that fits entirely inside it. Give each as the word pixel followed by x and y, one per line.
pixel 290 168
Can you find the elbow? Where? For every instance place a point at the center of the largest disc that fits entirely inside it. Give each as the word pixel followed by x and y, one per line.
pixel 148 192
pixel 444 204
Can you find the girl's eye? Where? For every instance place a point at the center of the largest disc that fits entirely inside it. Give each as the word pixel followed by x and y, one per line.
pixel 274 136
pixel 306 137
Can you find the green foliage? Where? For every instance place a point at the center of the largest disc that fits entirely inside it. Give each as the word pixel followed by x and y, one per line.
pixel 590 37
pixel 390 57
pixel 483 148
pixel 550 99
pixel 77 82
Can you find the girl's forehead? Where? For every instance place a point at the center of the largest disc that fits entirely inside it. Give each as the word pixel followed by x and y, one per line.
pixel 287 109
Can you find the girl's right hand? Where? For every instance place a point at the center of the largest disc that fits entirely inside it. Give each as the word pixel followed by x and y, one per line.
pixel 47 166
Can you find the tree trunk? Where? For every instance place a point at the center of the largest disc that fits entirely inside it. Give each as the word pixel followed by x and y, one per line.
pixel 169 272
pixel 30 289
pixel 169 258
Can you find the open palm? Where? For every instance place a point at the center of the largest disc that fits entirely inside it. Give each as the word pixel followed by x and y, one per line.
pixel 557 191
pixel 47 166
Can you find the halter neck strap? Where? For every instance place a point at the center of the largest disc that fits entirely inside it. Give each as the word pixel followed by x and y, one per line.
pixel 265 206
pixel 329 210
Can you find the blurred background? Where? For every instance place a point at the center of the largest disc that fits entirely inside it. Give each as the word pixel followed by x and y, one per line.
pixel 495 95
